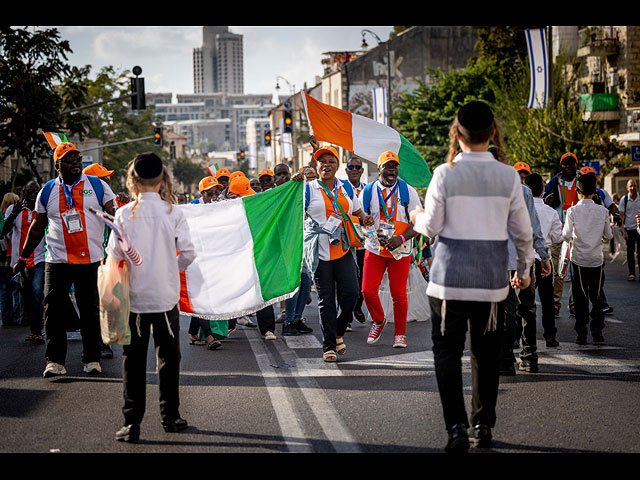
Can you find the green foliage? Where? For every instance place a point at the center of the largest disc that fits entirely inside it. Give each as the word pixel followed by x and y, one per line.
pixel 187 172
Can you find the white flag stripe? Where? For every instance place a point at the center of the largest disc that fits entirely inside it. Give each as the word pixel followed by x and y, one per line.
pixel 371 138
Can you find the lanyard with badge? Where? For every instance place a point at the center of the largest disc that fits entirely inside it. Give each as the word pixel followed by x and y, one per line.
pixel 71 217
pixel 334 219
pixel 387 225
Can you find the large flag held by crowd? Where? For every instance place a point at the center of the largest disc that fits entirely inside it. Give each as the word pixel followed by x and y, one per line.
pixel 249 253
pixel 366 138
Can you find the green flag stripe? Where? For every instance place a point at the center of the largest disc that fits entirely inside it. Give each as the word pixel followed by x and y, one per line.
pixel 413 168
pixel 275 220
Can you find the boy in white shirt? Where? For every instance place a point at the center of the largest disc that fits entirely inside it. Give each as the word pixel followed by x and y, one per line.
pixel 587 225
pixel 551 228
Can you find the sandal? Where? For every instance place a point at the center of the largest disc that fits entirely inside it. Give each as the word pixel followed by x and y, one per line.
pixel 329 356
pixel 341 348
pixel 213 343
pixel 193 340
pixel 631 278
pixel 29 338
pixel 37 339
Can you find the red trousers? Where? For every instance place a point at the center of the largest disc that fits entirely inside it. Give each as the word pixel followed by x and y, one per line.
pixel 398 273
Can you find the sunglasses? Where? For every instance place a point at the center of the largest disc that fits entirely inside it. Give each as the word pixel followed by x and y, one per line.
pixel 68 160
pixel 354 167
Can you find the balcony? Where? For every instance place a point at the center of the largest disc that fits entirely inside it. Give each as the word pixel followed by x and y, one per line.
pixel 600 106
pixel 598 43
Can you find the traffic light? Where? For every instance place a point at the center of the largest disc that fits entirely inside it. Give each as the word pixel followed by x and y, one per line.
pixel 288 121
pixel 157 136
pixel 240 155
pixel 267 138
pixel 137 94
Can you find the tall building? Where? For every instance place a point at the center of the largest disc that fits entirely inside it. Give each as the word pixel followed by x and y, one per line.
pixel 218 65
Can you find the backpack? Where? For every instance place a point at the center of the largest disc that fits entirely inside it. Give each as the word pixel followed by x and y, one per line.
pixel 346 185
pixel 96 183
pixel 404 196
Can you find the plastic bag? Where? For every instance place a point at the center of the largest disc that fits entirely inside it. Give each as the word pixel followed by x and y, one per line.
pixel 113 287
pixel 563 261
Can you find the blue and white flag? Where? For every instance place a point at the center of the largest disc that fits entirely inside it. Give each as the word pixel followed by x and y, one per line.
pixel 380 105
pixel 539 67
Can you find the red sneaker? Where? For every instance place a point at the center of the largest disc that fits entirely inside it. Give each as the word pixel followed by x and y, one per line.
pixel 400 341
pixel 376 330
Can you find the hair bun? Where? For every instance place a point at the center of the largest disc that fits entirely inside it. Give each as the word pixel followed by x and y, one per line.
pixel 475 116
pixel 147 165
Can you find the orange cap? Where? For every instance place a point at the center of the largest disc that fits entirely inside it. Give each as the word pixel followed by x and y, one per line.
pixel 237 174
pixel 388 156
pixel 97 170
pixel 206 183
pixel 522 166
pixel 588 170
pixel 324 150
pixel 266 171
pixel 223 172
pixel 568 154
pixel 241 186
pixel 62 149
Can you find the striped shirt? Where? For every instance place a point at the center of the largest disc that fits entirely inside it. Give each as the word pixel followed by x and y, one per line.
pixel 472 207
pixel 18 235
pixel 86 246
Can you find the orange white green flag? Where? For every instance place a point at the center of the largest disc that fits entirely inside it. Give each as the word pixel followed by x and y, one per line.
pixel 365 138
pixel 54 139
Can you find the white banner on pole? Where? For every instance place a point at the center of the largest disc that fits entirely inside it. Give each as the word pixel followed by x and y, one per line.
pixel 380 105
pixel 539 67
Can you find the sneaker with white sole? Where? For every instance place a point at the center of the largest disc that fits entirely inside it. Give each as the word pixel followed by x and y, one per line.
pixel 92 368
pixel 376 330
pixel 400 341
pixel 269 336
pixel 53 369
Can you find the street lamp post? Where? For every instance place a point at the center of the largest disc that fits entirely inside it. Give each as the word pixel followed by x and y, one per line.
pixel 292 88
pixel 365 45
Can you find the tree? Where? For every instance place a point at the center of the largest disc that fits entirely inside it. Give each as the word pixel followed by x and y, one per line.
pixel 187 172
pixel 30 64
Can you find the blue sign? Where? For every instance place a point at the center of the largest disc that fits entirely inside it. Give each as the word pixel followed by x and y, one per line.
pixel 595 164
pixel 635 154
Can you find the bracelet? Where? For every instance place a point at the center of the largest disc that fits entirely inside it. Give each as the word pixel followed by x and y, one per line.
pixel 22 258
pixel 402 237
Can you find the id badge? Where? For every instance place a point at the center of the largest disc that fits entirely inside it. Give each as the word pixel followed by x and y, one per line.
pixel 387 229
pixel 72 221
pixel 332 223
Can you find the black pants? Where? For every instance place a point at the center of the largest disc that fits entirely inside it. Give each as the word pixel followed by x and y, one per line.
pixel 198 323
pixel 520 322
pixel 360 262
pixel 585 285
pixel 336 278
pixel 633 246
pixel 166 338
pixel 58 278
pixel 545 293
pixel 266 319
pixel 485 359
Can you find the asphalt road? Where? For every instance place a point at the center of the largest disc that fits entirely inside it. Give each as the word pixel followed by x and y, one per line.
pixel 257 396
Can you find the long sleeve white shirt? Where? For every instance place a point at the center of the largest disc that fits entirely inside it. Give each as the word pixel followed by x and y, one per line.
pixel 550 224
pixel 158 234
pixel 587 225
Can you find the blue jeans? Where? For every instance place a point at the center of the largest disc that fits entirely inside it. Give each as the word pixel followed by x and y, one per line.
pixel 294 306
pixel 9 297
pixel 33 294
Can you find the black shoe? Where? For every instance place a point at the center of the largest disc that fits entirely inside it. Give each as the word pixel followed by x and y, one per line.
pixel 597 336
pixel 359 316
pixel 175 425
pixel 289 330
pixel 516 344
pixel 302 327
pixel 129 433
pixel 530 366
pixel 582 339
pixel 106 351
pixel 480 436
pixel 507 370
pixel 552 342
pixel 607 310
pixel 458 440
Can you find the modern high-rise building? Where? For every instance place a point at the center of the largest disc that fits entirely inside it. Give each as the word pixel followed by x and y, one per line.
pixel 218 65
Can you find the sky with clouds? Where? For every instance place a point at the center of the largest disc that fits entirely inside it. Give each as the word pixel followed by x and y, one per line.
pixel 165 52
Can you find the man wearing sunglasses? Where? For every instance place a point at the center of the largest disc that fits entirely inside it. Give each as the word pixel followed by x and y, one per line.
pixel 74 239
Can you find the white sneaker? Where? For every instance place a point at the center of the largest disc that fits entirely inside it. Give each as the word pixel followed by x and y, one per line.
pixel 269 336
pixel 92 368
pixel 52 369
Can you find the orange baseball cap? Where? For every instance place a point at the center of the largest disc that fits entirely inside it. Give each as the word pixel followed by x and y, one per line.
pixel 237 174
pixel 266 171
pixel 62 149
pixel 223 172
pixel 522 166
pixel 568 154
pixel 206 183
pixel 588 170
pixel 323 150
pixel 241 186
pixel 97 170
pixel 388 156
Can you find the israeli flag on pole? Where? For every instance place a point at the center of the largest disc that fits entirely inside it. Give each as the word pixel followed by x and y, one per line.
pixel 380 105
pixel 538 63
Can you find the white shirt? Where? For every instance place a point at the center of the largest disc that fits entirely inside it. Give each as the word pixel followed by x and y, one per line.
pixel 629 209
pixel 550 224
pixel 587 225
pixel 18 234
pixel 157 234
